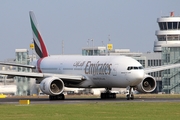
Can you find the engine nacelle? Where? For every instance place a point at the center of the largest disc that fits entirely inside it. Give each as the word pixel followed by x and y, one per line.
pixel 52 86
pixel 148 84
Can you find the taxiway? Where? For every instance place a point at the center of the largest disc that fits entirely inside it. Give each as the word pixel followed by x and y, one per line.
pixel 45 100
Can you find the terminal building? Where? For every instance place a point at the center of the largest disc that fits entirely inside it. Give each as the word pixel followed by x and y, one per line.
pixel 166 51
pixel 169 45
pixel 18 85
pixel 25 86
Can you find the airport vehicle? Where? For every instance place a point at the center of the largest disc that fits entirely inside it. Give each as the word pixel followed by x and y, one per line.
pixel 55 72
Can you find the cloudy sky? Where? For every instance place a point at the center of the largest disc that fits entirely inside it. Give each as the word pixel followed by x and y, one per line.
pixel 130 24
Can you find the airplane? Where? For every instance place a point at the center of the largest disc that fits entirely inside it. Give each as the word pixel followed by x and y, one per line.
pixel 55 72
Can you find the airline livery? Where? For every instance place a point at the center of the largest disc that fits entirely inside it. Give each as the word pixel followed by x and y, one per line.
pixel 56 72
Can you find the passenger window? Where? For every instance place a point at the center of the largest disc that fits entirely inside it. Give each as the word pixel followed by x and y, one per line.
pixel 135 68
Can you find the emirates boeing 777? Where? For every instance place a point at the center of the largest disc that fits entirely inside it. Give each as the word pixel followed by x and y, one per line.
pixel 54 73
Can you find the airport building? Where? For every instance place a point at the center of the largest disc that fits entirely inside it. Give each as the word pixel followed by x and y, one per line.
pixel 25 86
pixel 18 85
pixel 7 85
pixel 168 44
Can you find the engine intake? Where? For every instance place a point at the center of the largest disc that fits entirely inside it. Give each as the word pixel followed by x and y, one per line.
pixel 148 84
pixel 52 86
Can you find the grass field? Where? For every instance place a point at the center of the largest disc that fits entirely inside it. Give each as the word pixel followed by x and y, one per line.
pixel 93 111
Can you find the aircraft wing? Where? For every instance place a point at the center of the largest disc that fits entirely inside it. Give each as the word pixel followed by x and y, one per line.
pixel 159 68
pixel 18 65
pixel 64 77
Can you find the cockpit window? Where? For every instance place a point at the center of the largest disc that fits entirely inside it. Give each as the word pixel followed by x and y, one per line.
pixel 140 67
pixel 129 68
pixel 134 67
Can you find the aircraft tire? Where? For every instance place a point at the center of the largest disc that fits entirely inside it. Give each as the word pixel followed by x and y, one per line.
pixel 108 95
pixel 128 97
pixel 57 97
pixel 132 97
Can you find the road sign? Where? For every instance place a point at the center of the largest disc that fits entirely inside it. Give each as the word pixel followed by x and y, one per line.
pixel 109 46
pixel 32 46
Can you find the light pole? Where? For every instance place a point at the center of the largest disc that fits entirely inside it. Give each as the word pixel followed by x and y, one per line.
pixel 109 43
pixel 32 48
pixel 88 42
pixel 93 45
pixel 88 47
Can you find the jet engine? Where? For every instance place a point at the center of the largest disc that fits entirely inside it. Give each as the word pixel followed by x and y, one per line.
pixel 148 84
pixel 52 86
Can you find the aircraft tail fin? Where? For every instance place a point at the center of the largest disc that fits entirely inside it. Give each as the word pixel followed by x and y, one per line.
pixel 39 44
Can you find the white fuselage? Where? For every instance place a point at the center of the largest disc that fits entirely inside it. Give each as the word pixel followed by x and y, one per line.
pixel 99 71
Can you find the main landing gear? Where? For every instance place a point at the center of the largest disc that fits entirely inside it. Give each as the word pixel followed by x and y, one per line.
pixel 57 97
pixel 108 94
pixel 130 94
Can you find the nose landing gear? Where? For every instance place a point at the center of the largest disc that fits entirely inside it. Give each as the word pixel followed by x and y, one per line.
pixel 130 94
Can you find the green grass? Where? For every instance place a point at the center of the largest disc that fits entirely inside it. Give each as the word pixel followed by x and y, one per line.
pixel 93 111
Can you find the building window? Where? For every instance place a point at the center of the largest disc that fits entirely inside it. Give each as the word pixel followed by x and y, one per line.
pixel 159 62
pixel 166 81
pixel 149 63
pixel 167 71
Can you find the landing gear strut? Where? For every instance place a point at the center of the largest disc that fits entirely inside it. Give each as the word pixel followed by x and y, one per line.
pixel 57 97
pixel 130 94
pixel 108 94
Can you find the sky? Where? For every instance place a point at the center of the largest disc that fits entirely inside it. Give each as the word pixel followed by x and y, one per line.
pixel 130 24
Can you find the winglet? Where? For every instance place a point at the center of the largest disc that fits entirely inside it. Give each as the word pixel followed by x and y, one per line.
pixel 39 44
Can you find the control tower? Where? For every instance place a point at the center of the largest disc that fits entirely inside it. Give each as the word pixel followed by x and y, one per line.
pixel 169 32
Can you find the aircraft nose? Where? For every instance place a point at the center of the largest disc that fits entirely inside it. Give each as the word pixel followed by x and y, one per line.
pixel 137 77
pixel 140 75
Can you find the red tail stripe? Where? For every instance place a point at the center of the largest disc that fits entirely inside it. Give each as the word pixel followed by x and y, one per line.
pixel 43 47
pixel 38 65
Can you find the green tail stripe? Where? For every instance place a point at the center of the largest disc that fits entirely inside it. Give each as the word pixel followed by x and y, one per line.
pixel 34 28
